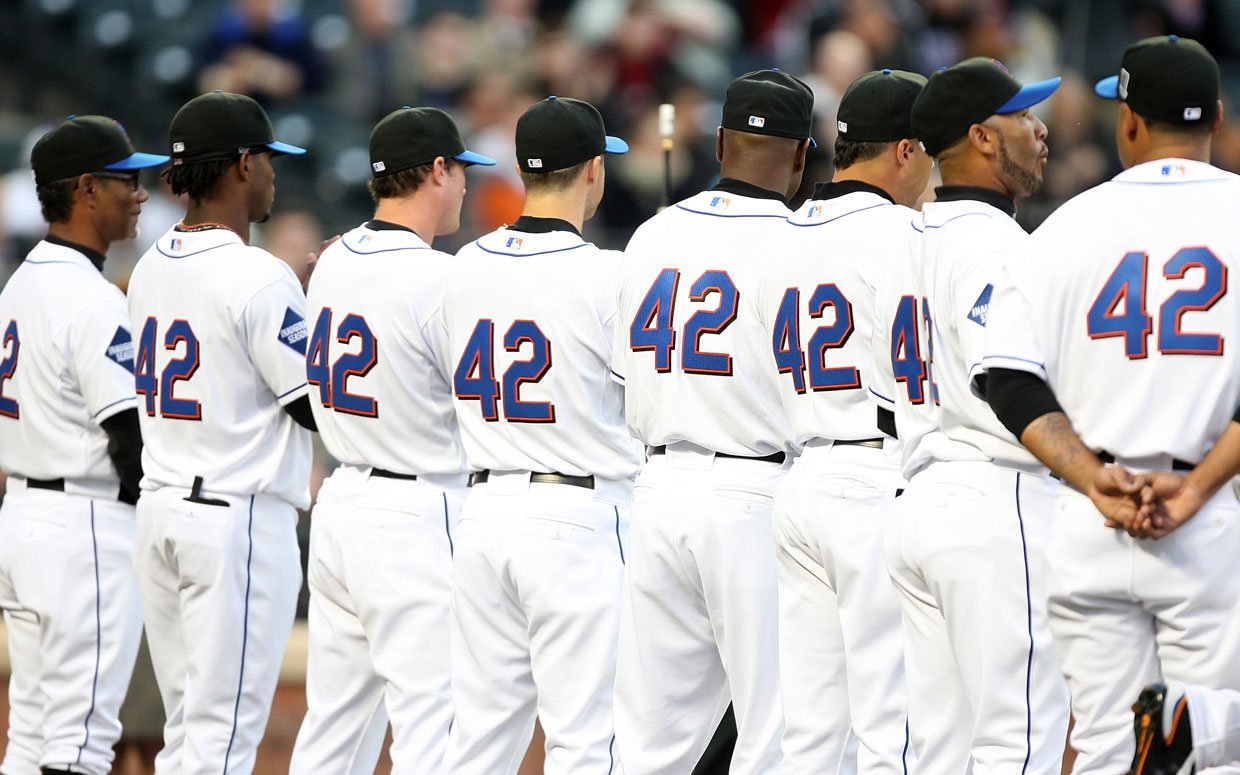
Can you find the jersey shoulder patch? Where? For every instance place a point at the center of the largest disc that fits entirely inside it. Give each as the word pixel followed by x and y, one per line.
pixel 293 331
pixel 981 308
pixel 120 350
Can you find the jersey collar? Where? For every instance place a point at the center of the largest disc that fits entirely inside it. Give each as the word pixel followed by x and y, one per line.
pixel 833 189
pixel 532 224
pixel 741 188
pixel 989 196
pixel 93 255
pixel 382 237
pixel 1172 171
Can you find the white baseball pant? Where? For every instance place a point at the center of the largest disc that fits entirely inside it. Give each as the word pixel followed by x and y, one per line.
pixel 219 590
pixel 70 601
pixel 1129 612
pixel 538 572
pixel 380 577
pixel 841 645
pixel 701 614
pixel 967 551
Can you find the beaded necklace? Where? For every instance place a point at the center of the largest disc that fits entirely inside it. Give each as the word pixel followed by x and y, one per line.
pixel 205 225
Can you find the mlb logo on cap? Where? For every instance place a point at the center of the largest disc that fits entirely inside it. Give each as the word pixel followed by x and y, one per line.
pixel 513 242
pixel 1192 114
pixel 378 166
pixel 1122 86
pixel 842 126
pixel 178 147
pixel 533 163
pixel 758 121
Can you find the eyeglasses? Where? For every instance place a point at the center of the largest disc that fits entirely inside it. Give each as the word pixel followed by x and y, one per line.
pixel 130 177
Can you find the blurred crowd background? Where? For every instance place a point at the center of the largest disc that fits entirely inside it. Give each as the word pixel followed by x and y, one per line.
pixel 326 70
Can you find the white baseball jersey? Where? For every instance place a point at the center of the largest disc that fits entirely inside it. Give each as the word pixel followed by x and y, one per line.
pixel 835 253
pixel 221 341
pixel 64 367
pixel 693 374
pixel 931 332
pixel 380 394
pixel 1129 323
pixel 518 304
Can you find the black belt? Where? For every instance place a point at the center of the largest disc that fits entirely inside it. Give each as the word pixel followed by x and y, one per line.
pixel 774 457
pixel 58 485
pixel 478 477
pixel 871 443
pixel 379 472
pixel 1176 464
pixel 195 495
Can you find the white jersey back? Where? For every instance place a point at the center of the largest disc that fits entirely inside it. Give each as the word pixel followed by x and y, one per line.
pixel 691 348
pixel 933 332
pixel 66 365
pixel 379 390
pixel 529 319
pixel 221 340
pixel 817 304
pixel 1132 318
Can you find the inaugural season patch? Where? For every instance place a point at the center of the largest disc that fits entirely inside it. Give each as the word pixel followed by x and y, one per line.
pixel 981 307
pixel 120 351
pixel 293 331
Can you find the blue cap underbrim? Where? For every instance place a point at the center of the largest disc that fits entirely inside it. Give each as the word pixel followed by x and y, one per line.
pixel 139 161
pixel 615 145
pixel 469 157
pixel 1108 88
pixel 1029 95
pixel 279 147
pixel 812 142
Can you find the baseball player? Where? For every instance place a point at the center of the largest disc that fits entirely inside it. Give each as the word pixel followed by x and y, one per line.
pixel 380 568
pixel 1142 303
pixel 966 545
pixel 702 390
pixel 220 374
pixel 70 444
pixel 840 641
pixel 539 562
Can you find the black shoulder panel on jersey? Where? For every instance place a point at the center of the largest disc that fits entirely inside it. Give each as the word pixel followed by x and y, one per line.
pixel 125 449
pixel 1018 398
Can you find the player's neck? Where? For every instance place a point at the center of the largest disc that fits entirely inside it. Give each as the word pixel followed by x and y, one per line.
pixel 565 207
pixel 79 232
pixel 234 217
pixel 1193 151
pixel 408 213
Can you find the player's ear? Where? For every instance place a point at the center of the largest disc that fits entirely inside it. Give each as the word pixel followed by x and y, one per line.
pixel 802 150
pixel 1218 119
pixel 1129 122
pixel 439 169
pixel 594 169
pixel 982 138
pixel 719 145
pixel 87 185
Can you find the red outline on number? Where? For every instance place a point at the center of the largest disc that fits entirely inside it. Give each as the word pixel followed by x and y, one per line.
pixel 654 316
pixel 519 381
pixel 697 337
pixel 344 376
pixel 822 351
pixel 323 353
pixel 915 352
pixel 1176 331
pixel 787 335
pixel 11 334
pixel 168 390
pixel 476 365
pixel 1149 321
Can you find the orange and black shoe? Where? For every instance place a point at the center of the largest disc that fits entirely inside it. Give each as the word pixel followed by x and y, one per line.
pixel 1164 735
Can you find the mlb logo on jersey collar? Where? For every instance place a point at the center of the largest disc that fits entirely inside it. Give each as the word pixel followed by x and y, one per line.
pixel 176 243
pixel 513 242
pixel 1174 169
pixel 721 202
pixel 815 211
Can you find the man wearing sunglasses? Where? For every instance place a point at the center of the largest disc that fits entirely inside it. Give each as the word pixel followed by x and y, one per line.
pixel 70 444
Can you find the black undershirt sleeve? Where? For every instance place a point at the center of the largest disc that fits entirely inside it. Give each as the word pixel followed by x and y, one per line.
pixel 1018 398
pixel 299 410
pixel 887 422
pixel 125 450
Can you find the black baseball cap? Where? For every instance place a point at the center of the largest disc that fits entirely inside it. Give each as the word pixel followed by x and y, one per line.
pixel 967 93
pixel 86 144
pixel 1167 78
pixel 221 125
pixel 770 102
pixel 560 132
pixel 410 137
pixel 878 106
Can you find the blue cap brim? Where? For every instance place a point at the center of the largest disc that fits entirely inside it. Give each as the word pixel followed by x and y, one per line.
pixel 1029 95
pixel 1108 88
pixel 469 157
pixel 812 142
pixel 279 147
pixel 139 161
pixel 615 145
